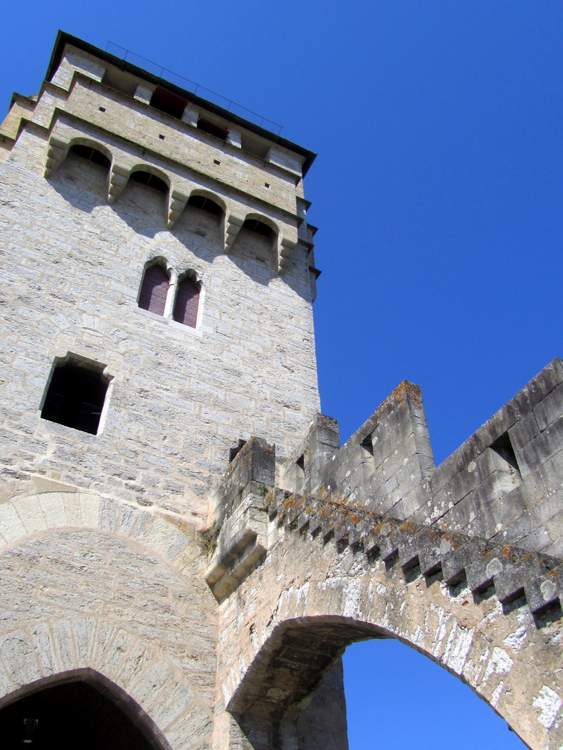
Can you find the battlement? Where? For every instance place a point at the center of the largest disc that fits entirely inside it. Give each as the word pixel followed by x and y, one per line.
pixel 380 491
pixel 503 483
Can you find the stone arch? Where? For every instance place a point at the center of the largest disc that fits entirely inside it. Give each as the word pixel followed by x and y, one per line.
pixel 262 219
pixel 100 585
pixel 27 515
pixel 210 196
pixel 149 169
pixel 270 241
pixel 143 725
pixel 93 144
pixel 291 665
pixel 139 676
pixel 316 599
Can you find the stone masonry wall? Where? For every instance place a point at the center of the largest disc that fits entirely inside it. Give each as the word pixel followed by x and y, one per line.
pixel 180 397
pixel 95 584
pixel 505 483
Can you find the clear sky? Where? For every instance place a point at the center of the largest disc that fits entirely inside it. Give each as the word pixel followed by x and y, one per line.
pixel 438 193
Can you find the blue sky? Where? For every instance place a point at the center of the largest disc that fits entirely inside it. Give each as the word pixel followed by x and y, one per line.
pixel 438 193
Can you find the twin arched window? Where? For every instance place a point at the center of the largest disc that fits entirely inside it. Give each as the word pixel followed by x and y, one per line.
pixel 160 296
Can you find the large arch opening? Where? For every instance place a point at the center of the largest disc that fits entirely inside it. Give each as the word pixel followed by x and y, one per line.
pixel 285 688
pixel 77 711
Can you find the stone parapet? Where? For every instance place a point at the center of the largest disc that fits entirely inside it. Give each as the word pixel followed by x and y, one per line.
pixel 504 483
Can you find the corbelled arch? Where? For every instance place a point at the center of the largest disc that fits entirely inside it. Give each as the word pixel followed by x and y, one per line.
pixel 92 143
pixel 297 612
pixel 150 169
pixel 210 195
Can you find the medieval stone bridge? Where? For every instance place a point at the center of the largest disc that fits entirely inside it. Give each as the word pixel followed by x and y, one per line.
pixel 300 577
pixel 303 560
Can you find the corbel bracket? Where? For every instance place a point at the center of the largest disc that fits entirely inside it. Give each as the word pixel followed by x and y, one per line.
pixel 57 150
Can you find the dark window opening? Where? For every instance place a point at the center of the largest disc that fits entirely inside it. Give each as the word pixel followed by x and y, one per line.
pixel 73 715
pixel 503 446
pixel 233 452
pixel 257 226
pixel 169 102
pixel 367 444
pixel 187 302
pixel 212 128
pixel 154 289
pixel 76 396
pixel 91 154
pixel 205 204
pixel 216 161
pixel 102 109
pixel 151 180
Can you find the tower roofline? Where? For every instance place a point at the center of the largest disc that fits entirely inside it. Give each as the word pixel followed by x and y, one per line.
pixel 64 38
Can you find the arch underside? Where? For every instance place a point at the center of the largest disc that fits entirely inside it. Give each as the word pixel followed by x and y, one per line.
pixel 314 603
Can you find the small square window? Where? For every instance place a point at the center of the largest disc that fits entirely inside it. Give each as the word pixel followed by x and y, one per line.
pixel 76 395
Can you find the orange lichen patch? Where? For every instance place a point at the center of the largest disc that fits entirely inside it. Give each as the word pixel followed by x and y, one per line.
pixel 404 390
pixel 179 523
pixel 407 526
pixel 377 527
pixel 506 551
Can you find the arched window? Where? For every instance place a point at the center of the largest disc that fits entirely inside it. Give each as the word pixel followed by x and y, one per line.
pixel 259 227
pixel 91 154
pixel 206 204
pixel 187 302
pixel 149 179
pixel 154 289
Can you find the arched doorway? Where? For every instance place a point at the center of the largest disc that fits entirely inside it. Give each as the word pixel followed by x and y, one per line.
pixel 77 711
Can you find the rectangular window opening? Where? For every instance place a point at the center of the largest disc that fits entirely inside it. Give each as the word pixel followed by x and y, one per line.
pixel 76 395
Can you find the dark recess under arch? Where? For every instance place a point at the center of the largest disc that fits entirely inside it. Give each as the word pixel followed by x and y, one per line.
pixel 75 714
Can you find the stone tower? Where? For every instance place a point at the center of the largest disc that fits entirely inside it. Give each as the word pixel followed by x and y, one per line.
pixel 185 547
pixel 119 179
